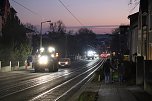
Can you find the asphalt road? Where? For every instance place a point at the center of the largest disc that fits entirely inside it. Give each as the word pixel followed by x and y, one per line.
pixel 56 86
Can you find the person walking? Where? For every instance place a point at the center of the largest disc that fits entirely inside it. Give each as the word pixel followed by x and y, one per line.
pixel 106 69
pixel 121 71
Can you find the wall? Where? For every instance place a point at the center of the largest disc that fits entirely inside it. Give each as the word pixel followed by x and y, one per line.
pixel 134 43
pixel 0 25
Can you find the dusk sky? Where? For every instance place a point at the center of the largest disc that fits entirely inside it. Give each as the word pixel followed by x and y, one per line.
pixel 88 12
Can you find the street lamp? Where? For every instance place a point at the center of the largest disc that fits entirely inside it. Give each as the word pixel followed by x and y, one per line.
pixel 41 32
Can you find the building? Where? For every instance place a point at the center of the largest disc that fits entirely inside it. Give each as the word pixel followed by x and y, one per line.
pixel 5 6
pixel 144 47
pixel 149 42
pixel 133 35
pixel 5 10
pixel 0 25
pixel 141 31
pixel 141 44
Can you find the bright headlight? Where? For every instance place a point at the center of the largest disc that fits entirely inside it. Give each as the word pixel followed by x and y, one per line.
pixel 52 55
pixel 41 49
pixel 57 54
pixel 39 55
pixel 51 49
pixel 90 53
pixel 66 63
pixel 43 60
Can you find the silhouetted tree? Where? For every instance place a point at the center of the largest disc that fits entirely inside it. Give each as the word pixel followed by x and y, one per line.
pixel 57 36
pixel 13 40
pixel 86 39
pixel 115 46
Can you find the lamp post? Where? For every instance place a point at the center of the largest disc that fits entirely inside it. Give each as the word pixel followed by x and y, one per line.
pixel 41 32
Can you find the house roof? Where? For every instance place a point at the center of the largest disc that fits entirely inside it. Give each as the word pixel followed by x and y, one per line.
pixel 135 15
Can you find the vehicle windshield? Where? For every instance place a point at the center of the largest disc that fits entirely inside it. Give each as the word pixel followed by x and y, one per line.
pixel 45 53
pixel 64 59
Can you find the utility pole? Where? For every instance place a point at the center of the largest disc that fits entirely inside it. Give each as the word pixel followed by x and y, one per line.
pixel 41 36
pixel 66 46
pixel 41 32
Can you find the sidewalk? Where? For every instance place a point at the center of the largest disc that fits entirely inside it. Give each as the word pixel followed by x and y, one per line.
pixel 122 92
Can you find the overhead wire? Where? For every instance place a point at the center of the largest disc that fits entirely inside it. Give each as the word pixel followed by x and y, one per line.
pixel 96 26
pixel 27 8
pixel 99 26
pixel 134 7
pixel 70 12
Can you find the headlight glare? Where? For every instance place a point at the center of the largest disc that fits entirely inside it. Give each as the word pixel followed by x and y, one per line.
pixel 43 60
pixel 51 49
pixel 52 55
pixel 66 63
pixel 41 49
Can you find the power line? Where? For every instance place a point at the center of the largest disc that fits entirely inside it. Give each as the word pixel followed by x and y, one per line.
pixel 26 8
pixel 95 26
pixel 70 12
pixel 134 7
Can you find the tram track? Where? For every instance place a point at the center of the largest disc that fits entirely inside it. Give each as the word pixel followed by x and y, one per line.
pixel 44 80
pixel 66 87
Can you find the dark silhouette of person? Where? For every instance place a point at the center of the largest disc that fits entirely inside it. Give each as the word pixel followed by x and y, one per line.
pixel 121 71
pixel 106 69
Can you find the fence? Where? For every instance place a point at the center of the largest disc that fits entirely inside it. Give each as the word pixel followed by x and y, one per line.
pixel 12 66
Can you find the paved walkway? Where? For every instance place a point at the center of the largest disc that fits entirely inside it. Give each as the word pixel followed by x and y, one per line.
pixel 117 92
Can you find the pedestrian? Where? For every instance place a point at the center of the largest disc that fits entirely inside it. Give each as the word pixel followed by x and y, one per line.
pixel 106 69
pixel 114 70
pixel 121 71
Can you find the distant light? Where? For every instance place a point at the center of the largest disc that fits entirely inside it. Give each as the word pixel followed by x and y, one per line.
pixel 57 54
pixel 96 55
pixel 90 53
pixel 105 55
pixel 114 53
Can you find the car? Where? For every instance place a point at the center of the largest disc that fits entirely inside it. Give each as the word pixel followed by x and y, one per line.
pixel 90 54
pixel 64 62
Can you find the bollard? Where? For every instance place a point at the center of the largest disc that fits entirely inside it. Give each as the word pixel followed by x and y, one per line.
pixel 31 65
pixel 26 65
pixel 10 65
pixel 99 77
pixel 18 64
